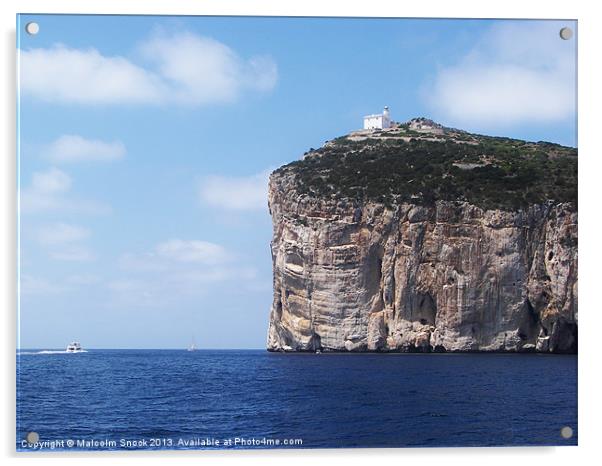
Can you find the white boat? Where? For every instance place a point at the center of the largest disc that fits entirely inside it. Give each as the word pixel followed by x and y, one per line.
pixel 74 347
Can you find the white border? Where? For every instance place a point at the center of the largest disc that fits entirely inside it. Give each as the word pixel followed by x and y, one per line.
pixel 590 155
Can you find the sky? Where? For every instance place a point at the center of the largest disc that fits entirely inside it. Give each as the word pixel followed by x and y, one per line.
pixel 145 144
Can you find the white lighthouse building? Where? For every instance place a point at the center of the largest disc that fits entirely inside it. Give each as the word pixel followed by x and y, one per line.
pixel 378 121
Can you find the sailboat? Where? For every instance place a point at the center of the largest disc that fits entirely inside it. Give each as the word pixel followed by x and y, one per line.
pixel 192 346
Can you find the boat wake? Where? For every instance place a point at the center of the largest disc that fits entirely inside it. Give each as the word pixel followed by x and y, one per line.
pixel 51 352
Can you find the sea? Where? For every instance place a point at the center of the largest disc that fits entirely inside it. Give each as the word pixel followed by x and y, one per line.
pixel 232 399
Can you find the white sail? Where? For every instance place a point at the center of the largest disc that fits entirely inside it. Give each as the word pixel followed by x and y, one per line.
pixel 192 346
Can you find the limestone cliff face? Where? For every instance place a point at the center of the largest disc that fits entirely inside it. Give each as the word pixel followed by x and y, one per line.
pixel 354 276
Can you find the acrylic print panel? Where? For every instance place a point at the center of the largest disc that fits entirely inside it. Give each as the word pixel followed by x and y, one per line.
pixel 249 232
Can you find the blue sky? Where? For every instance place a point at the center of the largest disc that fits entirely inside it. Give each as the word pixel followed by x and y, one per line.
pixel 145 144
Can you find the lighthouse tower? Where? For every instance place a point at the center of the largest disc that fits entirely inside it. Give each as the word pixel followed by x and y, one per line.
pixel 386 118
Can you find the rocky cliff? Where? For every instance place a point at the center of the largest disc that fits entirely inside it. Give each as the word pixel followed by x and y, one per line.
pixel 396 241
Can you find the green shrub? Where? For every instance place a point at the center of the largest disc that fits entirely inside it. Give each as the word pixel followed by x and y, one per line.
pixel 512 174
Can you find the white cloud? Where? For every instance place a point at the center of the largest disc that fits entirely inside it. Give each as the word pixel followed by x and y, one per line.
pixel 147 262
pixel 235 193
pixel 49 192
pixel 176 269
pixel 201 70
pixel 125 285
pixel 63 74
pixel 176 283
pixel 59 233
pixel 74 148
pixel 51 181
pixel 193 251
pixel 83 280
pixel 63 242
pixel 178 254
pixel 519 72
pixel 30 285
pixel 45 192
pixel 183 68
pixel 75 253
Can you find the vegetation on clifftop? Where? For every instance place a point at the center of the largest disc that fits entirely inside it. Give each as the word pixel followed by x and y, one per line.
pixel 393 167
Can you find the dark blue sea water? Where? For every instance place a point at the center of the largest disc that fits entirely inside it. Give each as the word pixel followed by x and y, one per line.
pixel 187 399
